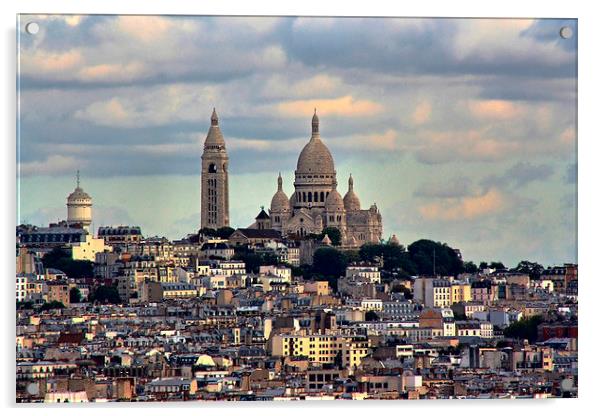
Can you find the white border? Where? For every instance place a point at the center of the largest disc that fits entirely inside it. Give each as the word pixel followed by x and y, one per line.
pixel 590 209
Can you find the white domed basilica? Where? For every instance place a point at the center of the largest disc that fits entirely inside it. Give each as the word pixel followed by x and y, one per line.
pixel 317 204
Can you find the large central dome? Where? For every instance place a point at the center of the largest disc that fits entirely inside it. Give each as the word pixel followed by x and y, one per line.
pixel 315 156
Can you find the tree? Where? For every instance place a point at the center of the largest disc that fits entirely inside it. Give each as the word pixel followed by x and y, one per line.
pixel 393 257
pixel 105 294
pixel 303 270
pixel 483 265
pixel 418 259
pixel 497 265
pixel 407 264
pixel 426 253
pixel 25 305
pixel 470 267
pixel 329 264
pixel 253 260
pixel 75 295
pixel 52 305
pixel 371 251
pixel 524 329
pixel 208 232
pixel 333 233
pixel 329 261
pixel 60 259
pixel 371 316
pixel 224 232
pixel 458 316
pixel 352 256
pixel 533 269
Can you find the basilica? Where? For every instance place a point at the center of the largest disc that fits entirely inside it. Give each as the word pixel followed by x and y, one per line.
pixel 315 204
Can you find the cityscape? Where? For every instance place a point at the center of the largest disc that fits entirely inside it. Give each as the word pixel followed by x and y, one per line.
pixel 321 295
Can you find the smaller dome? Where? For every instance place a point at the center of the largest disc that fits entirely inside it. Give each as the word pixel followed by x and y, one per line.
pixel 334 202
pixel 351 200
pixel 394 240
pixel 78 194
pixel 280 201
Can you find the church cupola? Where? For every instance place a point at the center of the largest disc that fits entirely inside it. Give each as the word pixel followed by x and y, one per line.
pixel 351 200
pixel 280 207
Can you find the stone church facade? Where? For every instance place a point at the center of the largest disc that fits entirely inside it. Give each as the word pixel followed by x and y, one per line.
pixel 316 202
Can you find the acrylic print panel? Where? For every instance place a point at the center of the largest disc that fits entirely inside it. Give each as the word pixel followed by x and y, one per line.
pixel 283 208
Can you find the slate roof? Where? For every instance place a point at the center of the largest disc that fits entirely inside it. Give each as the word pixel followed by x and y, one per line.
pixel 255 233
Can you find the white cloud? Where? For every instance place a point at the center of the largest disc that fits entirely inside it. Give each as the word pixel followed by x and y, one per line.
pixel 422 113
pixel 347 106
pixel 53 165
pixel 464 208
pixel 157 106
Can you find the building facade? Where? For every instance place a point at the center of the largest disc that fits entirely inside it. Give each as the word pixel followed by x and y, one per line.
pixel 214 179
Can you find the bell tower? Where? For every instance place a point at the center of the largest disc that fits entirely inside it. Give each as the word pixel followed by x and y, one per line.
pixel 214 179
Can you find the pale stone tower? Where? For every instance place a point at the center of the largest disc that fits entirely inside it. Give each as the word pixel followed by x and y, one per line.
pixel 214 179
pixel 79 207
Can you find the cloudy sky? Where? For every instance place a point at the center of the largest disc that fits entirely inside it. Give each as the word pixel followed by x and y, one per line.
pixel 461 130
